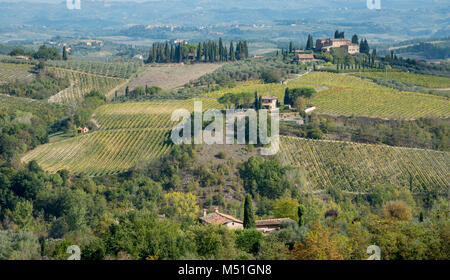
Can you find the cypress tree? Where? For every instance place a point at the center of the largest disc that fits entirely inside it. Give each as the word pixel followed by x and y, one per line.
pixel 286 96
pixel 220 50
pixel 249 218
pixel 245 49
pixel 64 56
pixel 301 212
pixel 180 53
pixel 309 43
pixel 199 52
pixel 232 53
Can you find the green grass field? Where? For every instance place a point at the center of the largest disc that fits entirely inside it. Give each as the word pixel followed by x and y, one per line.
pixel 357 167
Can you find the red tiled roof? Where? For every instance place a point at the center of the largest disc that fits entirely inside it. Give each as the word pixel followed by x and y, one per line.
pixel 305 56
pixel 219 218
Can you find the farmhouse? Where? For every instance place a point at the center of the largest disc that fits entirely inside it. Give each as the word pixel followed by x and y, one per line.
pixel 267 226
pixel 218 218
pixel 21 57
pixel 269 102
pixel 83 130
pixel 327 44
pixel 305 57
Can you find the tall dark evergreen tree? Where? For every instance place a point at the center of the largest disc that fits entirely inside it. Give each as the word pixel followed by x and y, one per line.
pixel 199 52
pixel 364 47
pixel 232 53
pixel 310 43
pixel 339 35
pixel 65 56
pixel 245 49
pixel 355 39
pixel 301 212
pixel 249 218
pixel 221 56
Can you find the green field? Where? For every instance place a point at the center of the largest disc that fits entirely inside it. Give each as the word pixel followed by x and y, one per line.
pixel 411 78
pixel 10 72
pixel 357 167
pixel 128 133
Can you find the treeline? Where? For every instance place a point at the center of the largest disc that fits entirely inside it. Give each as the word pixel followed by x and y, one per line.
pixel 142 215
pixel 422 133
pixel 23 126
pixel 44 52
pixel 250 69
pixel 428 50
pixel 209 51
pixel 417 66
pixel 43 86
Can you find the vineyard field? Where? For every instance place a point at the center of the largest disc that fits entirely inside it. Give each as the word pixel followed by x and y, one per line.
pixel 10 72
pixel 81 84
pixel 357 167
pixel 349 95
pixel 128 133
pixel 340 94
pixel 112 69
pixel 411 78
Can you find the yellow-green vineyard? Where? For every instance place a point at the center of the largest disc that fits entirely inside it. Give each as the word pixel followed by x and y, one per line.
pixel 411 78
pixel 348 95
pixel 358 167
pixel 128 133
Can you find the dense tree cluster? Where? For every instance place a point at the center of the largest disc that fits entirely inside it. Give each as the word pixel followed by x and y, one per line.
pixel 44 52
pixel 209 51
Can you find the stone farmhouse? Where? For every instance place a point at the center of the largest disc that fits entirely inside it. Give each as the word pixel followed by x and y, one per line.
pixel 218 218
pixel 269 102
pixel 327 44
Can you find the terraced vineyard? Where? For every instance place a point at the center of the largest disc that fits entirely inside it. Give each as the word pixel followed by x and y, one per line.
pixel 12 71
pixel 127 134
pixel 411 78
pixel 81 84
pixel 357 167
pixel 112 69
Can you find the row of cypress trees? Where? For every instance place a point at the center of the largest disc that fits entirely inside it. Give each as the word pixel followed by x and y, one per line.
pixel 209 51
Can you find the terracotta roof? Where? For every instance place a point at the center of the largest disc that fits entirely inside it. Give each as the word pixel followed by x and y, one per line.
pixel 305 56
pixel 219 218
pixel 271 222
pixel 270 97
